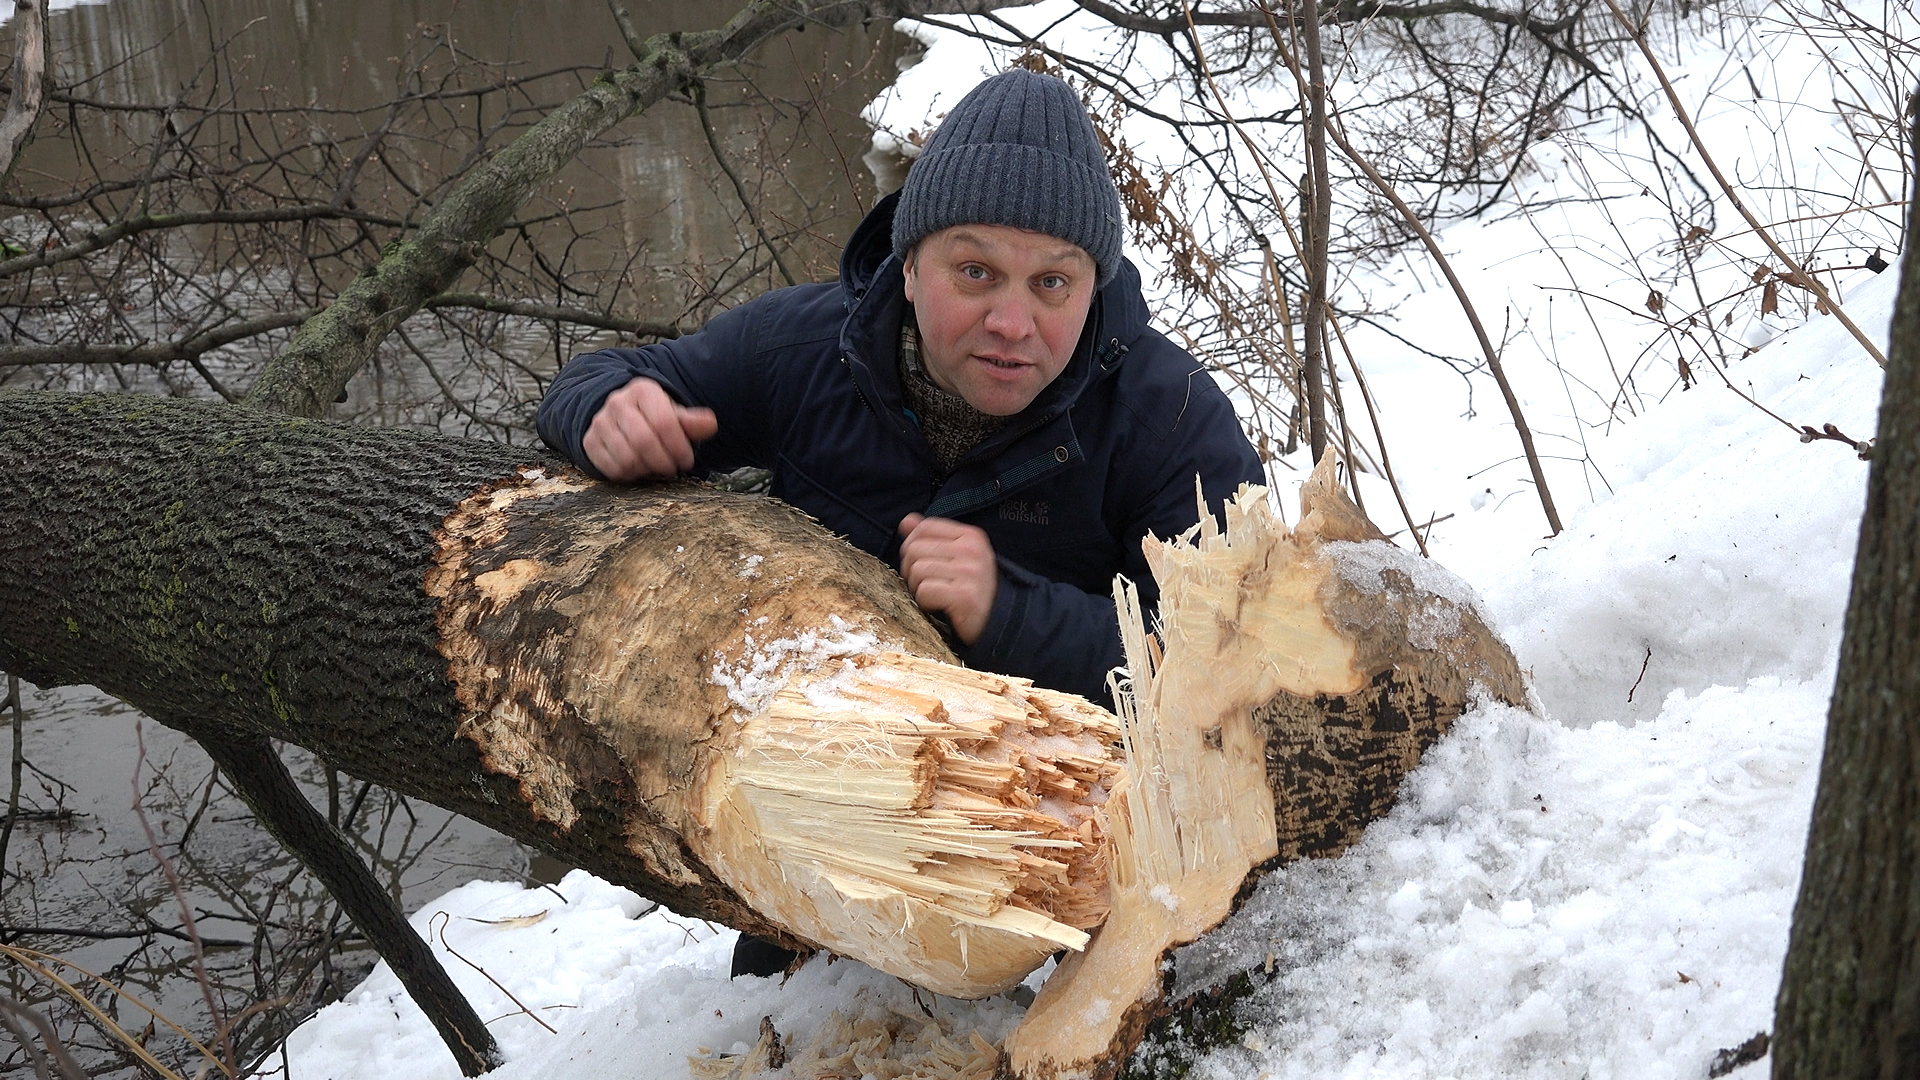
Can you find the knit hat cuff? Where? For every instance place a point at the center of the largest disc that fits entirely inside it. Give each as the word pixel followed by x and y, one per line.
pixel 1026 187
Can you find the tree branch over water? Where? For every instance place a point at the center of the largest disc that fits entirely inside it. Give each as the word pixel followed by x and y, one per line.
pixel 334 345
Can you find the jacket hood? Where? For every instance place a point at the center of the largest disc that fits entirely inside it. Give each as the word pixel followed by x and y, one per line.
pixel 1119 305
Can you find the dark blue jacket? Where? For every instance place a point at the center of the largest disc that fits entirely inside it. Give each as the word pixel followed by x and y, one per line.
pixel 805 382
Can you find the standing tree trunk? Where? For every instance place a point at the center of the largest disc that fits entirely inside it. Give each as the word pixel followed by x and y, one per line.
pixel 1849 1005
pixel 29 83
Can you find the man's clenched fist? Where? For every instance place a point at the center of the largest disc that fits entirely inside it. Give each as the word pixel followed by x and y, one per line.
pixel 641 432
pixel 949 567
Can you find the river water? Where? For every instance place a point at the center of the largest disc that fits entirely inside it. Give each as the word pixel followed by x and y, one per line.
pixel 88 874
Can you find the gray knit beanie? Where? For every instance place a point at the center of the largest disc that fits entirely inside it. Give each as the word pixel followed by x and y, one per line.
pixel 1018 150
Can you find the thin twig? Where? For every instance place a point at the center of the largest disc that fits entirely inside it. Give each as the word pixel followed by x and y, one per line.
pixel 1466 305
pixel 1639 35
pixel 1386 465
pixel 699 93
pixel 36 961
pixel 12 933
pixel 599 320
pixel 11 1013
pixel 1631 690
pixel 189 349
pixel 221 1031
pixel 444 919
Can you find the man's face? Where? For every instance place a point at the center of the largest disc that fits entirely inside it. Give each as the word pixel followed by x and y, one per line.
pixel 1000 310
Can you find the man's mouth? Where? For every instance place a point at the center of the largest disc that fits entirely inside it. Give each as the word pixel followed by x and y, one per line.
pixel 1003 365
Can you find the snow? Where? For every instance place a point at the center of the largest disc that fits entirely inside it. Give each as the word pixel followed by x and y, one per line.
pixel 1600 891
pixel 753 680
pixel 628 991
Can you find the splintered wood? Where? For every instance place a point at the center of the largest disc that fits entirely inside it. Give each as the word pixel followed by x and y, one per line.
pixel 1193 814
pixel 941 823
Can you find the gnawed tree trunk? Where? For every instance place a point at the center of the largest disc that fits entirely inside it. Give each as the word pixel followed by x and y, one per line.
pixel 707 698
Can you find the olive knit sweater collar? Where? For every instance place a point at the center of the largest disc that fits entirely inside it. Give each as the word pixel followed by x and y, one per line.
pixel 951 426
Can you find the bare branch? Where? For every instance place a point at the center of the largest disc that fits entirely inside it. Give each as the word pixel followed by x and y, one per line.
pixel 1680 112
pixel 112 234
pixel 12 1012
pixel 188 348
pixel 333 346
pixel 628 32
pixel 1342 11
pixel 1466 304
pixel 553 313
pixel 699 91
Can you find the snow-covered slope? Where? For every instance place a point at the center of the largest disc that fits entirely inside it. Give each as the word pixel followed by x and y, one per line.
pixel 1606 900
pixel 1603 891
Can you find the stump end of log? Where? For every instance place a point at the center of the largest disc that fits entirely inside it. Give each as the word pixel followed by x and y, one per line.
pixel 1296 677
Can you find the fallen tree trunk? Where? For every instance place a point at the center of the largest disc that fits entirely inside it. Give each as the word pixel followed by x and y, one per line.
pixel 708 699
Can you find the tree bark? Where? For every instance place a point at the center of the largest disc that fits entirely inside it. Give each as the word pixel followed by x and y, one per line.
pixel 1849 1004
pixel 707 698
pixel 259 776
pixel 1317 220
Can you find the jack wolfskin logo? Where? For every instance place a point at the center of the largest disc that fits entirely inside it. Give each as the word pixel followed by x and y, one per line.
pixel 1031 513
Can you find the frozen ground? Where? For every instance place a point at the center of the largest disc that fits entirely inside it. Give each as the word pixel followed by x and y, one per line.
pixel 1603 891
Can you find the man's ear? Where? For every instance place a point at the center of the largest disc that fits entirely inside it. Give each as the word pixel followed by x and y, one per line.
pixel 908 270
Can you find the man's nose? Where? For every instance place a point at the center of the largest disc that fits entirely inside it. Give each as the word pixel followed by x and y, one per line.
pixel 1010 317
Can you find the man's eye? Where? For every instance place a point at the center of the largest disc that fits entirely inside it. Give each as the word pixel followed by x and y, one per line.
pixel 1053 281
pixel 977 273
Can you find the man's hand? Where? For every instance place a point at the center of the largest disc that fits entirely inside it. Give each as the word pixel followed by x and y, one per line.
pixel 641 432
pixel 949 567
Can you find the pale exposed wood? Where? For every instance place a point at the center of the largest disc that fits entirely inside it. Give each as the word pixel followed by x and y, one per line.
pixel 910 814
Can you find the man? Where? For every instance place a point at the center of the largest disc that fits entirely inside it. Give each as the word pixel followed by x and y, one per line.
pixel 978 401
